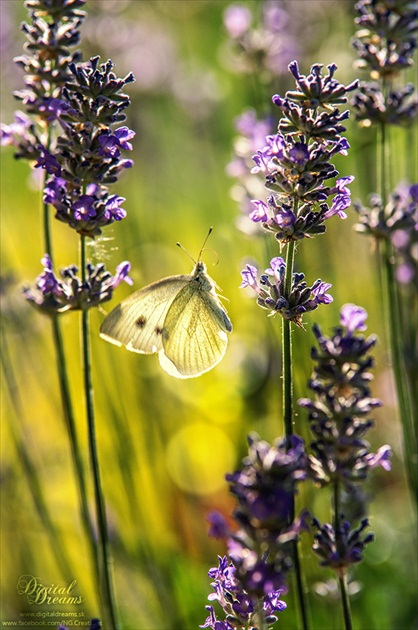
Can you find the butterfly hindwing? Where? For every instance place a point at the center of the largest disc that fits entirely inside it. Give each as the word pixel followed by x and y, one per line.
pixel 138 322
pixel 195 328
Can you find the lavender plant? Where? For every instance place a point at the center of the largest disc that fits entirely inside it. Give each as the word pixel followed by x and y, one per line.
pixel 296 164
pixel 51 33
pixel 261 43
pixel 249 582
pixel 340 455
pixel 81 161
pixel 385 43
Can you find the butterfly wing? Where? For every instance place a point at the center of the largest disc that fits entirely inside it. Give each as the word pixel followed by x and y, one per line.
pixel 195 332
pixel 138 322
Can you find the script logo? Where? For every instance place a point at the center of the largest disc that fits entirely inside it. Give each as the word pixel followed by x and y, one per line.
pixel 38 593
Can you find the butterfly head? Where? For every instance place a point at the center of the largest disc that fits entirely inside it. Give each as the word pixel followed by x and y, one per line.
pixel 201 277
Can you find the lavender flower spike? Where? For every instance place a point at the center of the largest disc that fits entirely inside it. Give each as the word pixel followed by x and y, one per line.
pixel 270 288
pixel 53 295
pixel 338 414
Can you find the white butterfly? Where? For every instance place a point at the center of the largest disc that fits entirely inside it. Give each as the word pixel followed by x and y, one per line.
pixel 180 317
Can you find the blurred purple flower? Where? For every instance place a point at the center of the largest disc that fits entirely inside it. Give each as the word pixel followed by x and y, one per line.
pixel 342 548
pixel 353 317
pixel 219 526
pixel 237 20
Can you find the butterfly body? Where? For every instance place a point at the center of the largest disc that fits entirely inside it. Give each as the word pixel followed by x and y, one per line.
pixel 180 317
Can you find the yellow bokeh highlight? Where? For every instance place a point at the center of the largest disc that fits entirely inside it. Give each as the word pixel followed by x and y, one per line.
pixel 198 456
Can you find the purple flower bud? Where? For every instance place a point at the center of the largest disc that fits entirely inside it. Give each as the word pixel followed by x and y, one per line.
pixel 249 278
pixel 47 282
pixel 113 209
pixel 48 162
pixel 253 129
pixel 264 158
pixel 52 108
pixel 124 134
pixel 353 317
pixel 17 131
pixel 413 191
pixel 260 212
pixel 84 208
pixel 342 199
pixel 285 218
pixel 299 153
pixel 111 143
pixel 237 20
pixel 219 526
pixel 320 292
pixel 54 191
pixel 121 275
pixel 381 458
pixel 405 273
pixel 277 268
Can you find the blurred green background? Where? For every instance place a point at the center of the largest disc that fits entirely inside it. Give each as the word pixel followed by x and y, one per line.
pixel 165 445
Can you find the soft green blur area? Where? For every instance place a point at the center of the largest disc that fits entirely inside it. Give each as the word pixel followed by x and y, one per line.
pixel 166 444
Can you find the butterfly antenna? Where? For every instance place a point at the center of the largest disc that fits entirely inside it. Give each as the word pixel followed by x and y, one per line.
pixel 205 241
pixel 186 252
pixel 201 250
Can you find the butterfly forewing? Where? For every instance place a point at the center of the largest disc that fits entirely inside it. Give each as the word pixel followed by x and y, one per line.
pixel 138 322
pixel 195 328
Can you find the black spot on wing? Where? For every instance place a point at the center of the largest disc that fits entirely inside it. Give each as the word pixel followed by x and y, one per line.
pixel 162 332
pixel 141 321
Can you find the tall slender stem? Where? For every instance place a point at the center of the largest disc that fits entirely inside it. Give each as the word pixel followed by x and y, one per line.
pixel 406 411
pixel 46 217
pixel 74 443
pixel 342 579
pixel 67 405
pixel 287 349
pixel 288 422
pixel 261 617
pixel 396 338
pixel 342 582
pixel 108 601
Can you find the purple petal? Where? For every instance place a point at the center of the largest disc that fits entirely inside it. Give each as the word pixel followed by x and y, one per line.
pixel 353 317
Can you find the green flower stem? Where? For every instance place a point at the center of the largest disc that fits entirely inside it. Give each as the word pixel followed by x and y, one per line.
pixel 342 579
pixel 73 439
pixel 107 595
pixel 342 583
pixel 288 422
pixel 406 411
pixel 68 410
pixel 303 608
pixel 261 620
pixel 287 349
pixel 46 223
pixel 395 329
